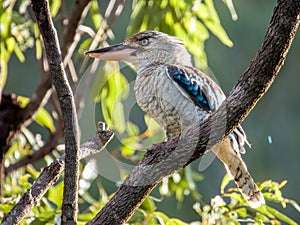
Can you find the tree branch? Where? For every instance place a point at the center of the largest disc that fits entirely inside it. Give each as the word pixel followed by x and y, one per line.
pixel 69 30
pixel 50 175
pixel 39 96
pixel 65 96
pixel 47 178
pixel 48 147
pixel 165 158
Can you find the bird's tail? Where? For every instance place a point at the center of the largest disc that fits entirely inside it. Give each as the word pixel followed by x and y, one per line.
pixel 237 169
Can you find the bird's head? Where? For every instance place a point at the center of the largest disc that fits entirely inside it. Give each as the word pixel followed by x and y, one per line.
pixel 145 48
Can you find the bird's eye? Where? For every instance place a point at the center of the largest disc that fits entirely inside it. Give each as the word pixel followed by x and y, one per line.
pixel 145 41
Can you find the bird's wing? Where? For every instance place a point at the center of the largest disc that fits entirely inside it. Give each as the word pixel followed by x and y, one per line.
pixel 206 94
pixel 196 86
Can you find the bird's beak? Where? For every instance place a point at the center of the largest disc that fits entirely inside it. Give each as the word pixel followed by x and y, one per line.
pixel 119 52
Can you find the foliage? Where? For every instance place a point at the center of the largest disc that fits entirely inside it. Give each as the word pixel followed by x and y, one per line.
pixel 227 208
pixel 231 207
pixel 192 21
pixel 18 33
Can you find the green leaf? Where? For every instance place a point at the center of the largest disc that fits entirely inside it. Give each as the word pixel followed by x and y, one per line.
pixel 293 203
pixel 86 44
pixel 118 116
pixel 24 181
pixel 50 204
pixel 19 53
pixel 45 216
pixel 32 171
pixel 242 212
pixel 175 222
pixel 29 136
pixel 96 16
pixel 54 7
pixel 38 48
pixel 55 193
pixel 148 205
pixel 282 184
pixel 137 17
pixel 130 145
pixel 224 183
pixel 132 129
pixel 189 177
pixel 114 89
pixel 6 208
pixel 209 16
pixel 10 43
pixel 281 216
pixel 5 18
pixel 3 73
pixel 23 100
pixel 42 116
pixel 126 151
pixel 161 217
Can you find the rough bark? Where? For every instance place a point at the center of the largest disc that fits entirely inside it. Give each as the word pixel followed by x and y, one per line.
pixel 12 126
pixel 47 178
pixel 66 100
pixel 165 158
pixel 50 175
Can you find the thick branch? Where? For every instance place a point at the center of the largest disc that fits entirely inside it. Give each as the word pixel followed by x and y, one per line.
pixel 50 175
pixel 65 96
pixel 165 158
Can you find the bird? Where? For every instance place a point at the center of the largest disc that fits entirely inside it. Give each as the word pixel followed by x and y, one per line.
pixel 177 95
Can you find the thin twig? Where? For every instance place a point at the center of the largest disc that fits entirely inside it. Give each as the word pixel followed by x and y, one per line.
pixel 48 147
pixel 72 24
pixel 105 26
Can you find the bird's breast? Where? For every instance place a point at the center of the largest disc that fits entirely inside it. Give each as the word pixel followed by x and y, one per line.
pixel 157 95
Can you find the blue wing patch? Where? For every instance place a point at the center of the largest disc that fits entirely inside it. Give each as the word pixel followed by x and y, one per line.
pixel 191 86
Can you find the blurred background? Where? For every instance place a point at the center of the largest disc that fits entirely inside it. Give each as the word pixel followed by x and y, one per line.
pixel 273 126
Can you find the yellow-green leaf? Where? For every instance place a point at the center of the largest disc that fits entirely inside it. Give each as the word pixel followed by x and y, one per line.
pixel 10 44
pixel 225 182
pixel 19 53
pixel 55 193
pixel 24 181
pixel 175 222
pixel 281 216
pixel 42 116
pixel 54 7
pixel 38 48
pixel 96 16
pixel 207 13
pixel 3 73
